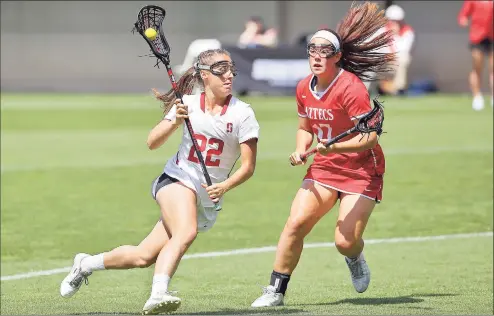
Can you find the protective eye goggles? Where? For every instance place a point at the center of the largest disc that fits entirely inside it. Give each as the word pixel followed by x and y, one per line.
pixel 219 68
pixel 323 51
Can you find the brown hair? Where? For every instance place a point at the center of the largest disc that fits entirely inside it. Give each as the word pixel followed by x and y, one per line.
pixel 360 55
pixel 189 79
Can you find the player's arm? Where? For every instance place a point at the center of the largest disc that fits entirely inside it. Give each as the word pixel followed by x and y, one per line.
pixel 305 136
pixel 248 154
pixel 162 131
pixel 248 134
pixel 464 14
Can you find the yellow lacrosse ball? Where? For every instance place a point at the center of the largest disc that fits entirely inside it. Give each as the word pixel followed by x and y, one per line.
pixel 150 33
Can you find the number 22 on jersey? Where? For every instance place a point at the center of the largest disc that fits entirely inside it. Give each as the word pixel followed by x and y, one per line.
pixel 212 153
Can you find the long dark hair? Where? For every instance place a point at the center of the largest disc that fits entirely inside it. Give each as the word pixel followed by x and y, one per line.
pixel 189 79
pixel 360 53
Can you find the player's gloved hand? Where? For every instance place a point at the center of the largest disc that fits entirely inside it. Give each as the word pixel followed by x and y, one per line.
pixel 215 191
pixel 295 159
pixel 182 112
pixel 322 149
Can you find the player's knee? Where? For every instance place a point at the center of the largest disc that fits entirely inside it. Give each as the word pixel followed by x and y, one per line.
pixel 186 235
pixel 344 245
pixel 143 259
pixel 297 226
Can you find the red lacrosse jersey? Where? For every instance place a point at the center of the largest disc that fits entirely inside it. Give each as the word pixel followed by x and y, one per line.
pixel 481 15
pixel 331 113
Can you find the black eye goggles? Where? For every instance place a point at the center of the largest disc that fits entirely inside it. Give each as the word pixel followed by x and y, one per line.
pixel 218 68
pixel 324 51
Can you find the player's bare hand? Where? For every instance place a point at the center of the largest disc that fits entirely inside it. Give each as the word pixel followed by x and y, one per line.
pixel 295 159
pixel 182 112
pixel 215 191
pixel 464 22
pixel 322 149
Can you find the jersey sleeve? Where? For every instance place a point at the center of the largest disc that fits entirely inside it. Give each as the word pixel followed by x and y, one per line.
pixel 356 100
pixel 249 127
pixel 465 11
pixel 300 105
pixel 171 115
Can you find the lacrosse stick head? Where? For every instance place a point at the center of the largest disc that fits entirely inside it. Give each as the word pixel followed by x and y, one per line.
pixel 152 16
pixel 373 120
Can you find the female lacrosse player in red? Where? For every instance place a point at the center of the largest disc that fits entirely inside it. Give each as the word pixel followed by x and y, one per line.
pixel 351 170
pixel 226 129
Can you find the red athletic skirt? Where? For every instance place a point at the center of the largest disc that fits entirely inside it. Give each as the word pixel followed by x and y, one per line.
pixel 347 181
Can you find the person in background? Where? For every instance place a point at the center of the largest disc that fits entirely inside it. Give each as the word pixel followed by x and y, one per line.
pixel 481 44
pixel 256 35
pixel 403 40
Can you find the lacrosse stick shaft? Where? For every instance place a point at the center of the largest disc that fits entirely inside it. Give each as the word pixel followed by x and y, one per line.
pixel 189 126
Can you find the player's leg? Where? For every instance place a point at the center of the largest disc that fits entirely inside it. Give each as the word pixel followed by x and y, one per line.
pixel 179 212
pixel 475 75
pixel 311 203
pixel 354 213
pixel 123 257
pixel 141 256
pixel 400 78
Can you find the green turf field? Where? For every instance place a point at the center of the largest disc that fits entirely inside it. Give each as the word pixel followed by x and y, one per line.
pixel 76 176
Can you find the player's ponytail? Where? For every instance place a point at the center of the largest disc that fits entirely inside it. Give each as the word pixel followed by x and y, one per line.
pixel 189 79
pixel 185 85
pixel 362 54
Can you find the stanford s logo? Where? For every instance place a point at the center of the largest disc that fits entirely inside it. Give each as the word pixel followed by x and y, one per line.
pixel 229 127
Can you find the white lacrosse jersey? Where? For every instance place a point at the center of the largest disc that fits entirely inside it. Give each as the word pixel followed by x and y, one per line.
pixel 218 136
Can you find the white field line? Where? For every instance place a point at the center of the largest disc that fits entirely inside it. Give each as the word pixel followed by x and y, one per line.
pixel 262 157
pixel 268 249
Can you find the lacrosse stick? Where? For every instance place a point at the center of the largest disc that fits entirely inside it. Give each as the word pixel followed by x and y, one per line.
pixel 151 17
pixel 367 123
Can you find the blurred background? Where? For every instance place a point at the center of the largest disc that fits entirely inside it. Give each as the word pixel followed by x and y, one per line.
pixel 76 174
pixel 87 46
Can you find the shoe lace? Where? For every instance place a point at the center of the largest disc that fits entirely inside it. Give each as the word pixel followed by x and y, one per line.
pixel 81 275
pixel 163 293
pixel 268 290
pixel 356 269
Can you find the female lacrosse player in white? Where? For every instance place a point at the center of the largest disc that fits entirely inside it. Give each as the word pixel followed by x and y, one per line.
pixel 226 129
pixel 350 170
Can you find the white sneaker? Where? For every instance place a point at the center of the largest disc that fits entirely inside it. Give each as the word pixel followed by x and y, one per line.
pixel 360 273
pixel 478 103
pixel 269 298
pixel 73 281
pixel 158 304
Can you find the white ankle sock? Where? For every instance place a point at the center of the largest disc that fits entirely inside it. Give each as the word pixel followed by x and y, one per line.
pixel 160 284
pixel 93 263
